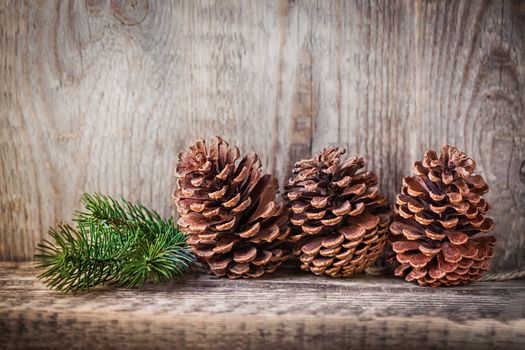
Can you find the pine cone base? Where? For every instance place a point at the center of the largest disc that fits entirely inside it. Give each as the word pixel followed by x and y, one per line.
pixel 347 252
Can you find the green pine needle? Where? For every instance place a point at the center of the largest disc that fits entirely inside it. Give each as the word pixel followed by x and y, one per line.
pixel 114 242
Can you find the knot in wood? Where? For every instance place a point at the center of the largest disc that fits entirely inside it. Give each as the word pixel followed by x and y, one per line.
pixel 522 172
pixel 130 12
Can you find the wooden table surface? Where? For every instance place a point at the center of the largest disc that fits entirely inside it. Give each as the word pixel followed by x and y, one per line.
pixel 286 310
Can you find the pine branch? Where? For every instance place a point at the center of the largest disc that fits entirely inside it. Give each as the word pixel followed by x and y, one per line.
pixel 113 243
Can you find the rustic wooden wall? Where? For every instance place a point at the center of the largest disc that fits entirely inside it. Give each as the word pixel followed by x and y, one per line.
pixel 101 95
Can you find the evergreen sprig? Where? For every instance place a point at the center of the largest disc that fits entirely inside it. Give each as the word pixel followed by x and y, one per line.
pixel 113 243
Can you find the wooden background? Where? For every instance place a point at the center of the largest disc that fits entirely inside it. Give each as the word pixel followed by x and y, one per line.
pixel 101 95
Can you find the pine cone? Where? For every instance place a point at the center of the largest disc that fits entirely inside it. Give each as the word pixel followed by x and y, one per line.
pixel 237 228
pixel 340 219
pixel 439 214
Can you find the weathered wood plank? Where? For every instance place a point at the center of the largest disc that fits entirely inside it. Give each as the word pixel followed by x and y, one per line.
pixel 92 101
pixel 99 95
pixel 470 92
pixel 364 52
pixel 293 310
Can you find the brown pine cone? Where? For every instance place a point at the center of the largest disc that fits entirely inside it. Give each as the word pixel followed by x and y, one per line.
pixel 237 228
pixel 340 218
pixel 439 215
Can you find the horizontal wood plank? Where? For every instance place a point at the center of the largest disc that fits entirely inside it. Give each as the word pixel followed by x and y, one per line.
pixel 287 309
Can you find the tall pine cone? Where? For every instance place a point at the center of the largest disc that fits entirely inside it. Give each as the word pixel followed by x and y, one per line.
pixel 237 228
pixel 439 215
pixel 340 218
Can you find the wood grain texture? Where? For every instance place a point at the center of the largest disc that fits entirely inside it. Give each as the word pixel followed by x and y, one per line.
pixel 470 92
pixel 101 95
pixel 285 310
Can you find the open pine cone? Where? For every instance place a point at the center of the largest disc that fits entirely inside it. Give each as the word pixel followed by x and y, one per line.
pixel 237 228
pixel 340 218
pixel 439 215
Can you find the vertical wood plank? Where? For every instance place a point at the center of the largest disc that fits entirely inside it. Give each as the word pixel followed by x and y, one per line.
pixel 100 98
pixel 97 95
pixel 470 93
pixel 354 88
